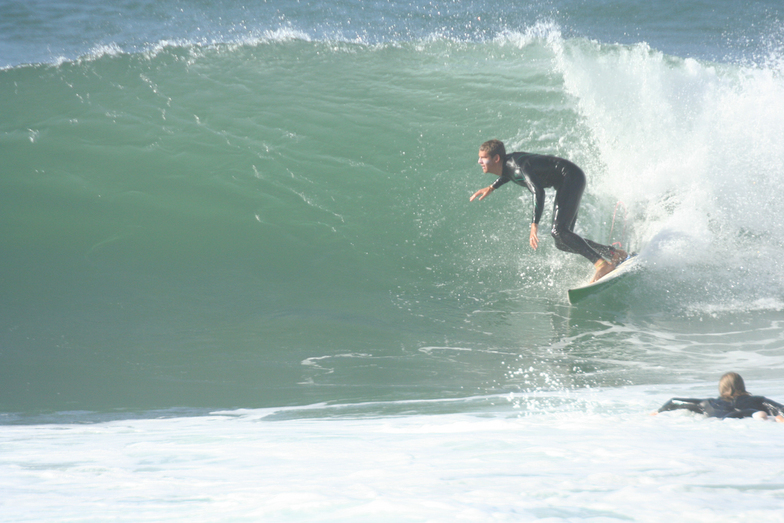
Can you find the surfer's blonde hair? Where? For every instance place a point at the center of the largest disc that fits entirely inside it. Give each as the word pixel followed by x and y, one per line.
pixel 731 386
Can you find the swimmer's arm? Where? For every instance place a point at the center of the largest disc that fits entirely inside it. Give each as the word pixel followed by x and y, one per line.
pixel 682 403
pixel 774 409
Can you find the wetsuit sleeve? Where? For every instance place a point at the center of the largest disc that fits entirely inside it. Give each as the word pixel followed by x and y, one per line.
pixel 693 405
pixel 499 182
pixel 538 199
pixel 773 408
pixel 758 403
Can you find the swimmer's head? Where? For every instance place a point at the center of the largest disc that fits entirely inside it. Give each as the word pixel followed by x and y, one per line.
pixel 731 386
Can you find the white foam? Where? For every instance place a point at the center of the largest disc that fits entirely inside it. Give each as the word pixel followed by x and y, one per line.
pixel 693 150
pixel 597 456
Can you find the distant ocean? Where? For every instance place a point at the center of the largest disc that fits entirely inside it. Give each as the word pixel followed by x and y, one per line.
pixel 241 280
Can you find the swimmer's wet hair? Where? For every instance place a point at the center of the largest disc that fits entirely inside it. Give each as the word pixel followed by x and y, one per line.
pixel 731 386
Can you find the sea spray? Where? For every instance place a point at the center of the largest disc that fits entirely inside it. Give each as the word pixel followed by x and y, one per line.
pixel 687 147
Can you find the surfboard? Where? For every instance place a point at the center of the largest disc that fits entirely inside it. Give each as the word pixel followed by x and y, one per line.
pixel 626 267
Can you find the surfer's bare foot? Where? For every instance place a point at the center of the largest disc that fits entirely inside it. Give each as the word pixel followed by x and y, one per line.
pixel 603 268
pixel 619 255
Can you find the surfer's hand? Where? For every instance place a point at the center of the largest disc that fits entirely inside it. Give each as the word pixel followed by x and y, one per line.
pixel 482 193
pixel 534 238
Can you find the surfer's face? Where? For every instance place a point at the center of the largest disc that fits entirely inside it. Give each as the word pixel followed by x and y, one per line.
pixel 488 164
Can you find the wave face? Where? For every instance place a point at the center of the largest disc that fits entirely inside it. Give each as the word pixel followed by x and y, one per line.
pixel 250 215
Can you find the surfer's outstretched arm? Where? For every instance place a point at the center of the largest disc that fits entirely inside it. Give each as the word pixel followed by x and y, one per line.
pixel 482 193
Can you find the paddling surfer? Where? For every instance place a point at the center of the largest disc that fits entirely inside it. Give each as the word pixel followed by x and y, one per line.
pixel 537 172
pixel 733 402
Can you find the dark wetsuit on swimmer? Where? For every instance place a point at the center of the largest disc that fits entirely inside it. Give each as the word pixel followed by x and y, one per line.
pixel 538 172
pixel 740 407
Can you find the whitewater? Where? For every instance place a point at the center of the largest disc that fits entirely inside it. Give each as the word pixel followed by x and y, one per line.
pixel 242 280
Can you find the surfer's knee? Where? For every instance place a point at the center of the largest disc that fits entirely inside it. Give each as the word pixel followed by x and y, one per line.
pixel 557 235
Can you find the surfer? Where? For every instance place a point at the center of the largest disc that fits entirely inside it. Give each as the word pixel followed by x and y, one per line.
pixel 734 402
pixel 537 172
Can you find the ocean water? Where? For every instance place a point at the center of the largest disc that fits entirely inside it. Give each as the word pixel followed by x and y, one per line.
pixel 241 278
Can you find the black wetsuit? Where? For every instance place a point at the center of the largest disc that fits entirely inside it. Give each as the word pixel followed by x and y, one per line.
pixel 740 407
pixel 538 172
